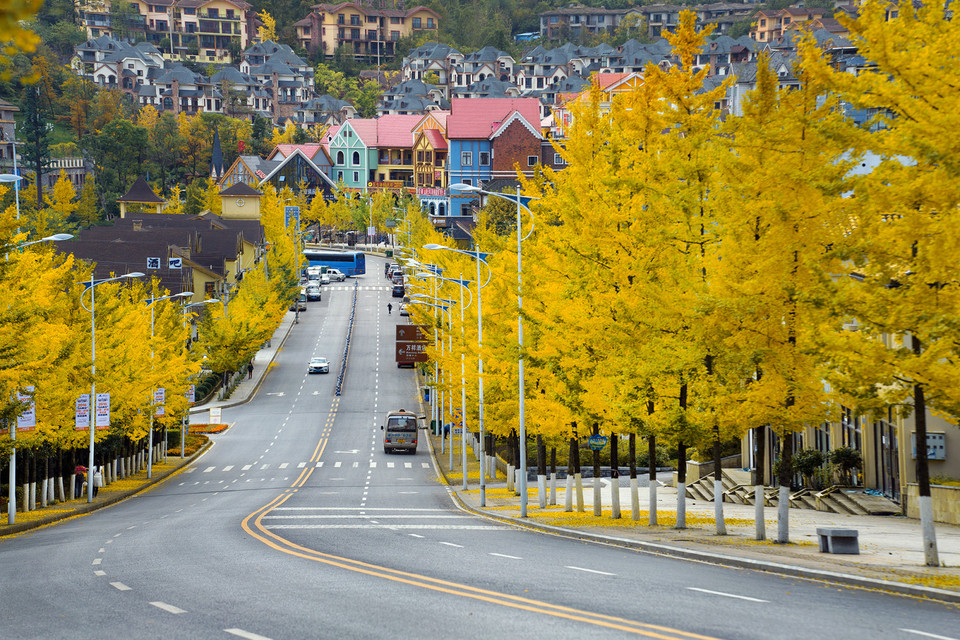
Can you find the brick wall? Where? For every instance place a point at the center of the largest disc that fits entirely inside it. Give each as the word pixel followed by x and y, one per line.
pixel 511 149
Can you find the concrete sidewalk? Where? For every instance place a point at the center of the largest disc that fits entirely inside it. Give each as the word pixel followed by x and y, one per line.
pixel 890 559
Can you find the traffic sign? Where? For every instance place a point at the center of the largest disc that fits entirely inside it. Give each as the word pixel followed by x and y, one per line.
pixel 597 442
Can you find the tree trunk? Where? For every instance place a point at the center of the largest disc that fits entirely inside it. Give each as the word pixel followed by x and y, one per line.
pixel 577 478
pixel 541 472
pixel 634 493
pixel 614 477
pixel 930 555
pixel 597 502
pixel 652 478
pixel 682 468
pixel 759 482
pixel 553 476
pixel 718 483
pixel 785 477
pixel 511 464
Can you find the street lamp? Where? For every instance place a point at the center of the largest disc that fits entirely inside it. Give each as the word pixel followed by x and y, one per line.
pixel 150 301
pixel 479 257
pixel 93 365
pixel 523 429
pixel 12 503
pixel 15 179
pixel 463 385
pixel 183 420
pixel 417 298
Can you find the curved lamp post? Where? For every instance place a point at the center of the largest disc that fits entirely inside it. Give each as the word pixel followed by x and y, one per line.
pixel 183 422
pixel 522 420
pixel 150 301
pixel 89 286
pixel 479 257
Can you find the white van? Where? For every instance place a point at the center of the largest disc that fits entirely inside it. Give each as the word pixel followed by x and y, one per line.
pixel 401 431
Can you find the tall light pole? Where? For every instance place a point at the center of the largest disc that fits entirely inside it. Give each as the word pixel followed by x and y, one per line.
pixel 522 421
pixel 93 366
pixel 183 421
pixel 464 284
pixel 12 502
pixel 150 301
pixel 479 257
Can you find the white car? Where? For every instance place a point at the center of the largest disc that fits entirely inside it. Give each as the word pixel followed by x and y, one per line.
pixel 319 365
pixel 325 278
pixel 336 274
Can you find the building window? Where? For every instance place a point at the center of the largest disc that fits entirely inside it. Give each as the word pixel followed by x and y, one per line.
pixel 355 20
pixel 354 34
pixel 395 36
pixel 430 23
pixel 339 157
pixel 339 176
pixel 466 158
pixel 531 161
pixel 484 159
pixel 356 176
pixel 416 23
pixel 394 20
pixel 356 158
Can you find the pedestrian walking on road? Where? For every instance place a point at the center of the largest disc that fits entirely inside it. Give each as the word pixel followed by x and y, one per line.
pixel 97 480
pixel 80 471
pixel 389 308
pixel 250 371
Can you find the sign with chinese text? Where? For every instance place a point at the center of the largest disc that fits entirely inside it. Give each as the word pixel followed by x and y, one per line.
pixel 27 419
pixel 103 410
pixel 82 412
pixel 431 191
pixel 159 397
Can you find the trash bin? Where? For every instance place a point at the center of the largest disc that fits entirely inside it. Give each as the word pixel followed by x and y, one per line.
pixel 389 253
pixel 426 394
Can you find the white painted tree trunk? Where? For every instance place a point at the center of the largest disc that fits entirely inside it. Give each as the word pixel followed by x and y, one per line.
pixel 553 487
pixel 783 515
pixel 615 497
pixel 930 556
pixel 634 499
pixel 681 505
pixel 718 507
pixel 492 467
pixel 44 491
pixel 597 501
pixel 33 496
pixel 761 526
pixel 510 477
pixel 517 482
pixel 26 496
pixel 60 491
pixel 652 494
pixel 542 490
pixel 578 481
pixel 568 497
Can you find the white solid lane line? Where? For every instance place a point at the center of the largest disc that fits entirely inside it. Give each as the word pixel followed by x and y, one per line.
pixel 602 573
pixel 928 635
pixel 503 555
pixel 450 544
pixel 726 595
pixel 167 607
pixel 245 634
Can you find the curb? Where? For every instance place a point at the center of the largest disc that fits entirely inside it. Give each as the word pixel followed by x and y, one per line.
pixel 88 507
pixel 256 387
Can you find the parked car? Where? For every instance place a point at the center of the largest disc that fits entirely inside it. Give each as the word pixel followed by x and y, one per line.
pixel 300 302
pixel 325 278
pixel 313 292
pixel 336 274
pixel 319 365
pixel 403 310
pixel 398 291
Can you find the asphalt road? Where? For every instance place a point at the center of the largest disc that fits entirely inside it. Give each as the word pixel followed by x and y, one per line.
pixel 296 524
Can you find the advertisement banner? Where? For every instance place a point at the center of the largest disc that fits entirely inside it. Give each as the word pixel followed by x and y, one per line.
pixel 159 397
pixel 103 410
pixel 215 415
pixel 27 420
pixel 191 393
pixel 82 412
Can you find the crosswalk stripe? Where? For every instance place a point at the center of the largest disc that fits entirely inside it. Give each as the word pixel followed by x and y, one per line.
pixel 356 464
pixel 301 465
pixel 337 464
pixel 373 464
pixel 264 467
pixel 320 464
pixel 284 465
pixel 246 467
pixel 390 465
pixel 228 467
pixel 209 469
pixel 425 465
pixel 407 465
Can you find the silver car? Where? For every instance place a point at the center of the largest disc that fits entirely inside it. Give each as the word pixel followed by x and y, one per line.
pixel 319 365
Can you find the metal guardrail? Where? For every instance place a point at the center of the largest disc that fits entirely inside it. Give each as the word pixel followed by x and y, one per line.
pixel 346 348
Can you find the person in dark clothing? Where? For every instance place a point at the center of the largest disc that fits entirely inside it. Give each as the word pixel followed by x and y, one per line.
pixel 250 371
pixel 389 308
pixel 78 483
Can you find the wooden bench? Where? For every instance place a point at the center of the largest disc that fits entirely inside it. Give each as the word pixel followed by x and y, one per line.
pixel 836 540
